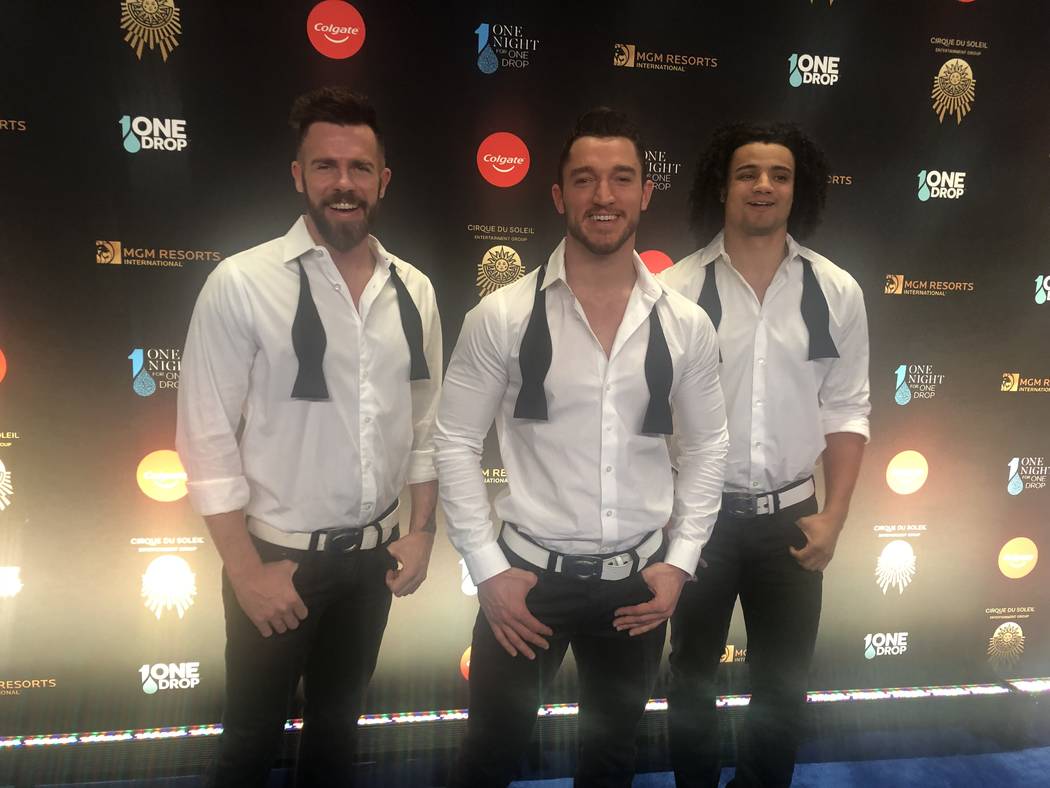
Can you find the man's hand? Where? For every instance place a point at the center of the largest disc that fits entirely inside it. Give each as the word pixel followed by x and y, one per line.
pixel 268 597
pixel 822 533
pixel 412 553
pixel 665 581
pixel 502 599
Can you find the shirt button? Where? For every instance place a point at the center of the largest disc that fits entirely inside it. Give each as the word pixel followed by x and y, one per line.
pixel 608 512
pixel 757 444
pixel 368 420
pixel 754 484
pixel 609 387
pixel 758 402
pixel 608 469
pixel 761 361
pixel 337 286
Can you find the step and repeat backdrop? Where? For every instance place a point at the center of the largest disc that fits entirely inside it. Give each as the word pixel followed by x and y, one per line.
pixel 143 141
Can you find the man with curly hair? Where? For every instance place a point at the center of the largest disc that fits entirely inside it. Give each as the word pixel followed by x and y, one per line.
pixel 793 338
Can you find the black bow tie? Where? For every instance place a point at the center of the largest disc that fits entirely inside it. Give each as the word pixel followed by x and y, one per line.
pixel 309 339
pixel 536 352
pixel 814 307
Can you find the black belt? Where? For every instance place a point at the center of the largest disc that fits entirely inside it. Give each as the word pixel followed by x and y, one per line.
pixel 745 505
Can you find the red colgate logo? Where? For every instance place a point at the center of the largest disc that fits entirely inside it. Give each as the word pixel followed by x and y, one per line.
pixel 3 365
pixel 656 261
pixel 336 29
pixel 503 159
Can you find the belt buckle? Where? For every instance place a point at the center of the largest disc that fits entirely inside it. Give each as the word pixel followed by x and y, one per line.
pixel 582 567
pixel 344 540
pixel 740 505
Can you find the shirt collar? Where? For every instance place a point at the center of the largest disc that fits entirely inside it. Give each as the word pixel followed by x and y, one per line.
pixel 645 281
pixel 297 242
pixel 717 249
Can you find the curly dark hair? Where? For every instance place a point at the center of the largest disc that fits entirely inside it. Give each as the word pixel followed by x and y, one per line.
pixel 603 122
pixel 336 104
pixel 707 211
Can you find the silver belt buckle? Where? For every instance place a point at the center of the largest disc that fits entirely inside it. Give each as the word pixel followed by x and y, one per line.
pixel 740 504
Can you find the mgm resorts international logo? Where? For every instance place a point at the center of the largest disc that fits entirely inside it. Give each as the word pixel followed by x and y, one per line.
pixel 163 134
pixel 812 70
pixel 169 676
pixel 899 284
pixel 152 22
pixel 885 644
pixel 505 46
pixel 1006 645
pixel 896 566
pixel 17 686
pixel 1015 381
pixel 915 381
pixel 7 487
pixel 121 253
pixel 953 90
pixel 733 654
pixel 633 56
pixel 1042 288
pixel 1026 473
pixel 499 266
pixel 938 184
pixel 153 368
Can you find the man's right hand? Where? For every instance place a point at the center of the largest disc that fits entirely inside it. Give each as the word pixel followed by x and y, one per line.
pixel 268 597
pixel 502 599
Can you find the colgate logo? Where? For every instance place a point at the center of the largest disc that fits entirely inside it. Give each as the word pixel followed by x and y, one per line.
pixel 503 159
pixel 336 29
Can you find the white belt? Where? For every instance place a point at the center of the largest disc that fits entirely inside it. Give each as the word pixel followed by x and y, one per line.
pixel 746 505
pixel 338 540
pixel 605 567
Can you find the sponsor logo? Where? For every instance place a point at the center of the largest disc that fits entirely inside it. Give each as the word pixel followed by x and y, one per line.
pixel 840 180
pixel 733 654
pixel 506 233
pixel 13 125
pixel 168 584
pixel 1015 381
pixel 895 567
pixel 953 90
pixel 656 261
pixel 660 169
pixel 162 134
pixel 898 284
pixel 7 439
pixel 899 530
pixel 497 474
pixel 907 472
pixel 153 22
pixel 7 487
pixel 166 544
pixel 632 56
pixel 915 381
pixel 941 185
pixel 10 581
pixel 336 29
pixel 153 368
pixel 1026 473
pixel 501 45
pixel 1018 557
pixel 120 253
pixel 169 676
pixel 804 69
pixel 499 266
pixel 885 644
pixel 1009 613
pixel 464 664
pixel 1006 645
pixel 161 476
pixel 3 365
pixel 17 686
pixel 1042 291
pixel 503 159
pixel 958 46
pixel 466 584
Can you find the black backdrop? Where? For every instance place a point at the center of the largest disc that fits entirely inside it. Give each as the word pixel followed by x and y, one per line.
pixel 75 629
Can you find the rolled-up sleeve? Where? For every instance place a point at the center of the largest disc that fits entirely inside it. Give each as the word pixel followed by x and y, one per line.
pixel 426 393
pixel 844 394
pixel 213 384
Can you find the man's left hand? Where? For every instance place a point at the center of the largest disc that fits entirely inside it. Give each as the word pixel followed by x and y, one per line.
pixel 822 533
pixel 412 553
pixel 665 581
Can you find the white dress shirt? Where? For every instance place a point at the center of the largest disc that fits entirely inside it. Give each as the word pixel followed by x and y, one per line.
pixel 305 465
pixel 586 481
pixel 780 405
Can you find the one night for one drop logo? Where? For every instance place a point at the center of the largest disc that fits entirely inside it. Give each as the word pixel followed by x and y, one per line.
pixel 162 134
pixel 915 381
pixel 938 184
pixel 153 368
pixel 812 70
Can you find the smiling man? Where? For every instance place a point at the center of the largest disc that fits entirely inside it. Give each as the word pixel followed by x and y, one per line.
pixel 793 337
pixel 586 364
pixel 326 349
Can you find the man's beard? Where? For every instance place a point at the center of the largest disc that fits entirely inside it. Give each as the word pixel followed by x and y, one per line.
pixel 342 236
pixel 601 248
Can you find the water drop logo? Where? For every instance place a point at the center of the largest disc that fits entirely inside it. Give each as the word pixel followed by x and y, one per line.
pixel 902 391
pixel 131 141
pixel 869 648
pixel 142 383
pixel 1014 484
pixel 487 60
pixel 794 76
pixel 1042 289
pixel 924 189
pixel 149 686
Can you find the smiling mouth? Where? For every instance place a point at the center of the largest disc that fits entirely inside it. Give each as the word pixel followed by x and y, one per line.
pixel 603 218
pixel 761 203
pixel 344 207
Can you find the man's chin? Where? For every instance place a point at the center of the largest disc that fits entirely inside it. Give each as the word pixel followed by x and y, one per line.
pixel 603 247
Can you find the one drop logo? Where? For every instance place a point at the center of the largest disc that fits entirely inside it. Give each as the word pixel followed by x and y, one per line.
pixel 939 184
pixel 812 70
pixel 163 134
pixel 142 383
pixel 488 62
pixel 902 392
pixel 1015 484
pixel 885 644
pixel 169 676
pixel 1042 291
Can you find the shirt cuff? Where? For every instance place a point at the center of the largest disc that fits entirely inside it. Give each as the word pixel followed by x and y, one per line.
pixel 844 423
pixel 683 554
pixel 217 496
pixel 486 562
pixel 421 467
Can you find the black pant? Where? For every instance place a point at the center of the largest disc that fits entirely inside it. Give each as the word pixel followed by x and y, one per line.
pixel 781 604
pixel 334 650
pixel 616 675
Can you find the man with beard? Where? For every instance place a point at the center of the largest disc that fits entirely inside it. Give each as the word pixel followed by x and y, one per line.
pixel 586 364
pixel 326 350
pixel 794 342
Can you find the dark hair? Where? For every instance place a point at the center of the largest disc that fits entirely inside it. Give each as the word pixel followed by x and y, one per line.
pixel 603 122
pixel 336 104
pixel 707 211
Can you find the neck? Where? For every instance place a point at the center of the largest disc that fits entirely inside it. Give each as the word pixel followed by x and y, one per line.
pixel 586 271
pixel 758 254
pixel 357 258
